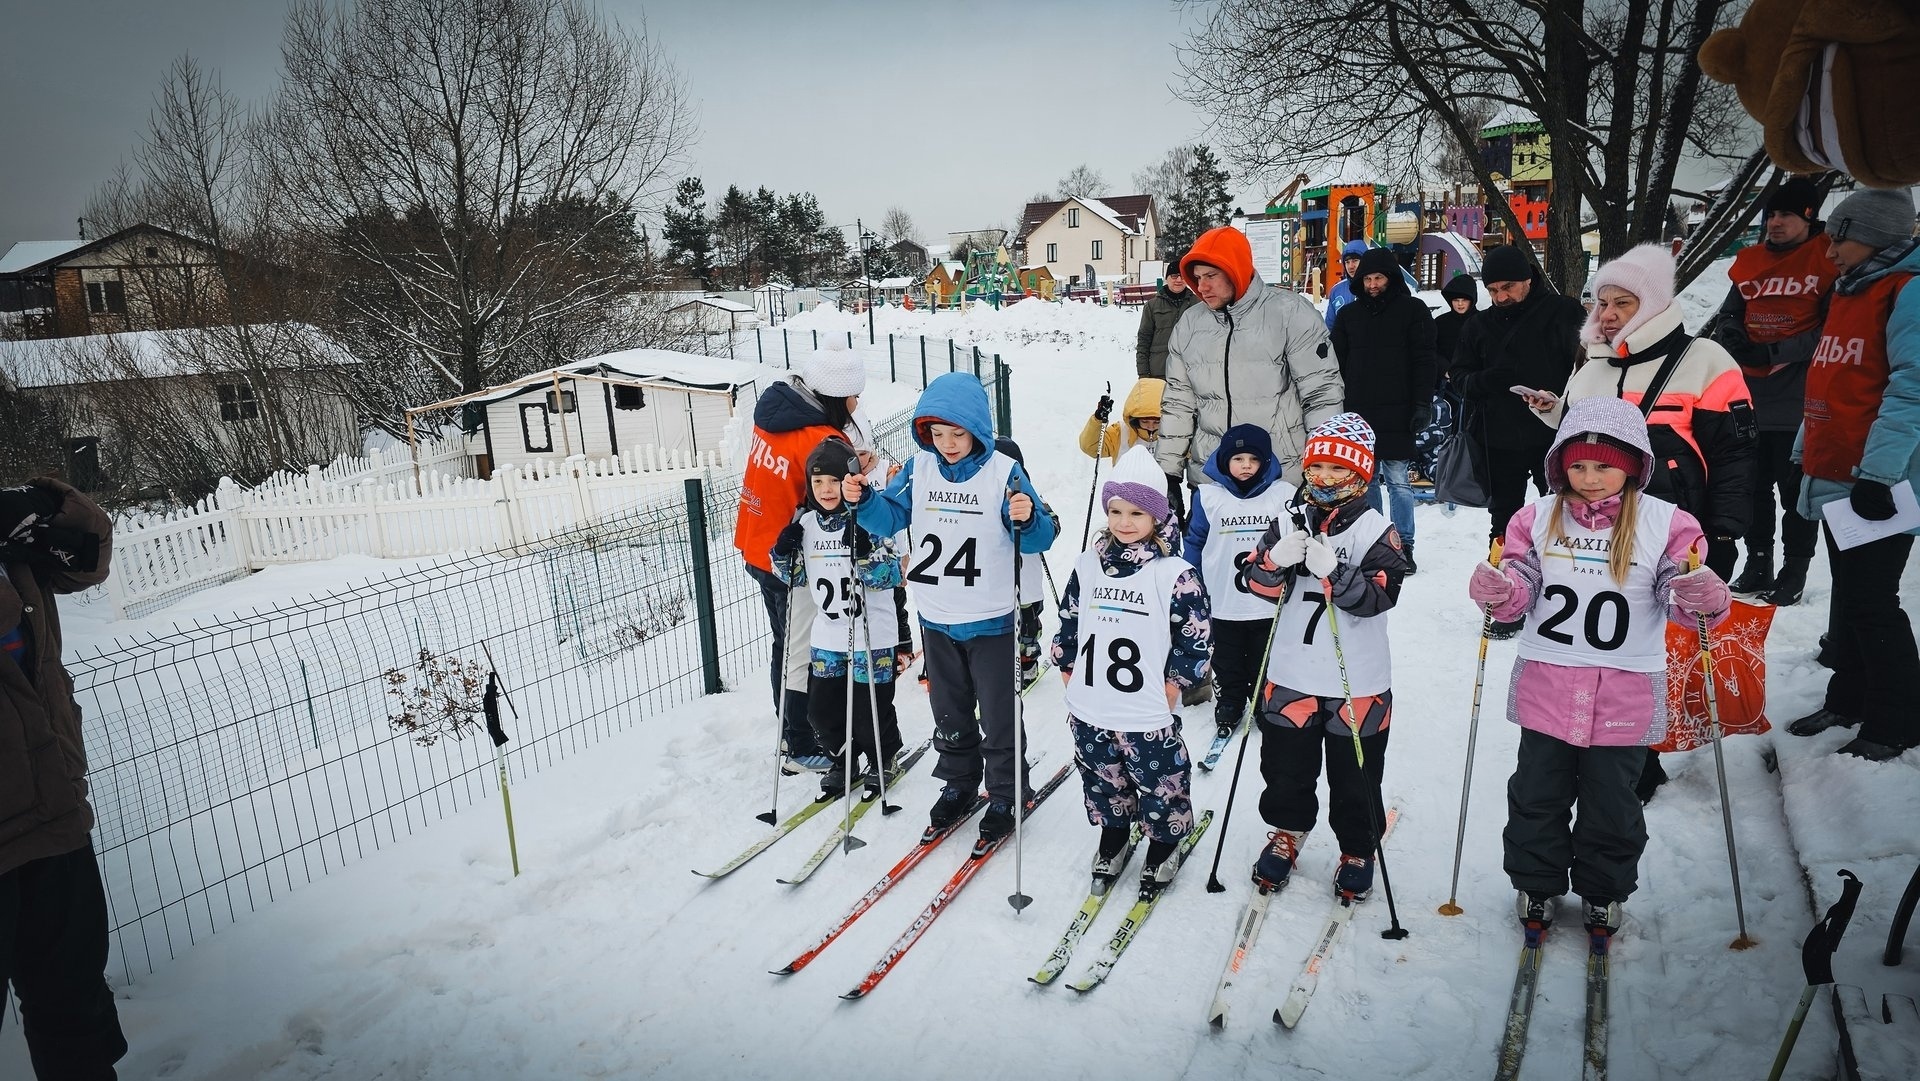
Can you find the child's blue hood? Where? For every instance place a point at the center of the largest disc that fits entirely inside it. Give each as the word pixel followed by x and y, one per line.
pixel 958 398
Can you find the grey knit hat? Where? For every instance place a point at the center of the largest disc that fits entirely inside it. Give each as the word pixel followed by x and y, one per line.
pixel 1601 419
pixel 1881 217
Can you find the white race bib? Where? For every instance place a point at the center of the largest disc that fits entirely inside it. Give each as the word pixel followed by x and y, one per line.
pixel 1583 618
pixel 961 568
pixel 1234 526
pixel 1303 656
pixel 838 596
pixel 1120 674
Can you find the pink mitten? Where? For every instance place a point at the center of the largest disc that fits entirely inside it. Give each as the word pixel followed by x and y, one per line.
pixel 1489 586
pixel 1700 592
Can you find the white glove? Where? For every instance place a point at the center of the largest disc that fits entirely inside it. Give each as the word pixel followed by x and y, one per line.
pixel 1320 558
pixel 1291 549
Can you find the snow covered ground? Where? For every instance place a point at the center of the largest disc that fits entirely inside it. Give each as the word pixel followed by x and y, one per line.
pixel 608 959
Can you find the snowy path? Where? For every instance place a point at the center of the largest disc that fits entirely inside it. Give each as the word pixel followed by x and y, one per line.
pixel 608 959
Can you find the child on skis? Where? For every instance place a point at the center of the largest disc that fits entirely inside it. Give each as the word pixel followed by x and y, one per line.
pixel 967 504
pixel 1229 517
pixel 1599 568
pixel 1343 551
pixel 1139 422
pixel 853 575
pixel 1133 611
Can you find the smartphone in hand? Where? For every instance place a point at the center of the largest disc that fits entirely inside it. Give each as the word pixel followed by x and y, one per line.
pixel 1539 401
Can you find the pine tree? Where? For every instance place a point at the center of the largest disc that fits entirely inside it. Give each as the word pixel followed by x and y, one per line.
pixel 688 234
pixel 1201 203
pixel 734 233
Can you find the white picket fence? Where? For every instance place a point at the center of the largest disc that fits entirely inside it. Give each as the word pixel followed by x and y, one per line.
pixel 235 531
pixel 446 453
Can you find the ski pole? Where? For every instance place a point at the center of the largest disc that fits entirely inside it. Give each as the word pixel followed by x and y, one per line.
pixel 490 704
pixel 873 707
pixel 1086 529
pixel 850 586
pixel 1018 899
pixel 1452 907
pixel 1360 760
pixel 1052 586
pixel 772 814
pixel 1902 917
pixel 1240 758
pixel 1720 768
pixel 1816 960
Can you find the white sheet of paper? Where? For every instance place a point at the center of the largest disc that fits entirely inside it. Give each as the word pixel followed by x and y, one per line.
pixel 1850 530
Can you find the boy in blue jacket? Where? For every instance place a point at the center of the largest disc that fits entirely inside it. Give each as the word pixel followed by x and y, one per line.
pixel 972 511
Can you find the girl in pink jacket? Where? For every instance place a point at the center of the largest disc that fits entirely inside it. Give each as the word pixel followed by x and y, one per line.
pixel 1596 568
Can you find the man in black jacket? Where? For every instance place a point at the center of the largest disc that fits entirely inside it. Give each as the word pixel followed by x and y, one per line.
pixel 1157 317
pixel 1384 342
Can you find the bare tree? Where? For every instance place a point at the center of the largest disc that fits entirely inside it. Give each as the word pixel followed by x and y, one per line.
pixel 1083 181
pixel 898 225
pixel 1613 82
pixel 1167 177
pixel 421 139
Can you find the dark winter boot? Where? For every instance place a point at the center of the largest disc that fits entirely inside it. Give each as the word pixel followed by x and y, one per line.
pixel 997 823
pixel 1601 919
pixel 1871 751
pixel 1757 575
pixel 1163 859
pixel 1790 582
pixel 1406 553
pixel 1196 694
pixel 1275 865
pixel 1819 721
pixel 1353 879
pixel 1652 776
pixel 1226 716
pixel 1116 848
pixel 951 807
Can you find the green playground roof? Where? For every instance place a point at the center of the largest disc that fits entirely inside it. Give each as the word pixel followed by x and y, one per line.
pixel 1525 127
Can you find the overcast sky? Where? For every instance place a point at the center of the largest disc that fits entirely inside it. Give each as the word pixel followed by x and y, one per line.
pixel 955 111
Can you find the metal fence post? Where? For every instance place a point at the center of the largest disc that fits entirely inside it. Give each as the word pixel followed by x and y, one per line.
pixel 1004 393
pixel 923 362
pixel 893 371
pixel 703 586
pixel 759 346
pixel 952 364
pixel 849 339
pixel 786 347
pixel 976 362
pixel 816 341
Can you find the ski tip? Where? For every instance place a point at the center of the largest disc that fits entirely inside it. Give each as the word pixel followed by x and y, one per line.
pixel 1218 1022
pixel 854 995
pixel 787 971
pixel 1280 1018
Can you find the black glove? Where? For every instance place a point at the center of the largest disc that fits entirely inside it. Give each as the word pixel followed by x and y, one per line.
pixel 790 539
pixel 862 543
pixel 24 506
pixel 1177 496
pixel 1104 411
pixel 1871 500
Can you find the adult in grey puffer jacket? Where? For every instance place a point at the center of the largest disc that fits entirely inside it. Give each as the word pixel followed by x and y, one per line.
pixel 1247 354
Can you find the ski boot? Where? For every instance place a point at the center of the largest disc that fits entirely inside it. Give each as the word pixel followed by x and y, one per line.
pixel 1353 879
pixel 950 808
pixel 1275 865
pixel 1790 583
pixel 1163 859
pixel 1116 848
pixel 997 823
pixel 1601 919
pixel 1861 747
pixel 1536 915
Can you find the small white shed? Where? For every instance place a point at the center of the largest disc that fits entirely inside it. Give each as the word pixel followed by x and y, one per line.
pixel 606 406
pixel 714 315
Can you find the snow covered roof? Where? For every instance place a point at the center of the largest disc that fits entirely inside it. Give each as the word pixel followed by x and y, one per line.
pixel 689 370
pixel 158 354
pixel 895 283
pixel 721 303
pixel 29 253
pixel 1106 214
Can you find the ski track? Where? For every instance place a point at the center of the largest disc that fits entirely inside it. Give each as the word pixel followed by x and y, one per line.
pixel 607 959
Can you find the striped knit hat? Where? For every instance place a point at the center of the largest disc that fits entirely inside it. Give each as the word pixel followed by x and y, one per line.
pixel 1344 439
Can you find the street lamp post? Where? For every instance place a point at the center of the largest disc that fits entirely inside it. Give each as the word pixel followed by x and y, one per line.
pixel 868 242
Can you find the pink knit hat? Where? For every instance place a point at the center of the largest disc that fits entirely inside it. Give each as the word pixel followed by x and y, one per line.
pixel 1647 272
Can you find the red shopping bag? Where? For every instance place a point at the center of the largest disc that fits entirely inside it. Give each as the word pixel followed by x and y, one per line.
pixel 1739 678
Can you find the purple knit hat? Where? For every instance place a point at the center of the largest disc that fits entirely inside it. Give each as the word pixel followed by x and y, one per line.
pixel 1593 420
pixel 1137 479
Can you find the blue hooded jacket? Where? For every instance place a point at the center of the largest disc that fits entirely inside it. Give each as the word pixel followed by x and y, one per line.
pixel 1236 440
pixel 958 398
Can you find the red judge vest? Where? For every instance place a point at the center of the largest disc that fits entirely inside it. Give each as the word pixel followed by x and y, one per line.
pixel 1848 379
pixel 1783 289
